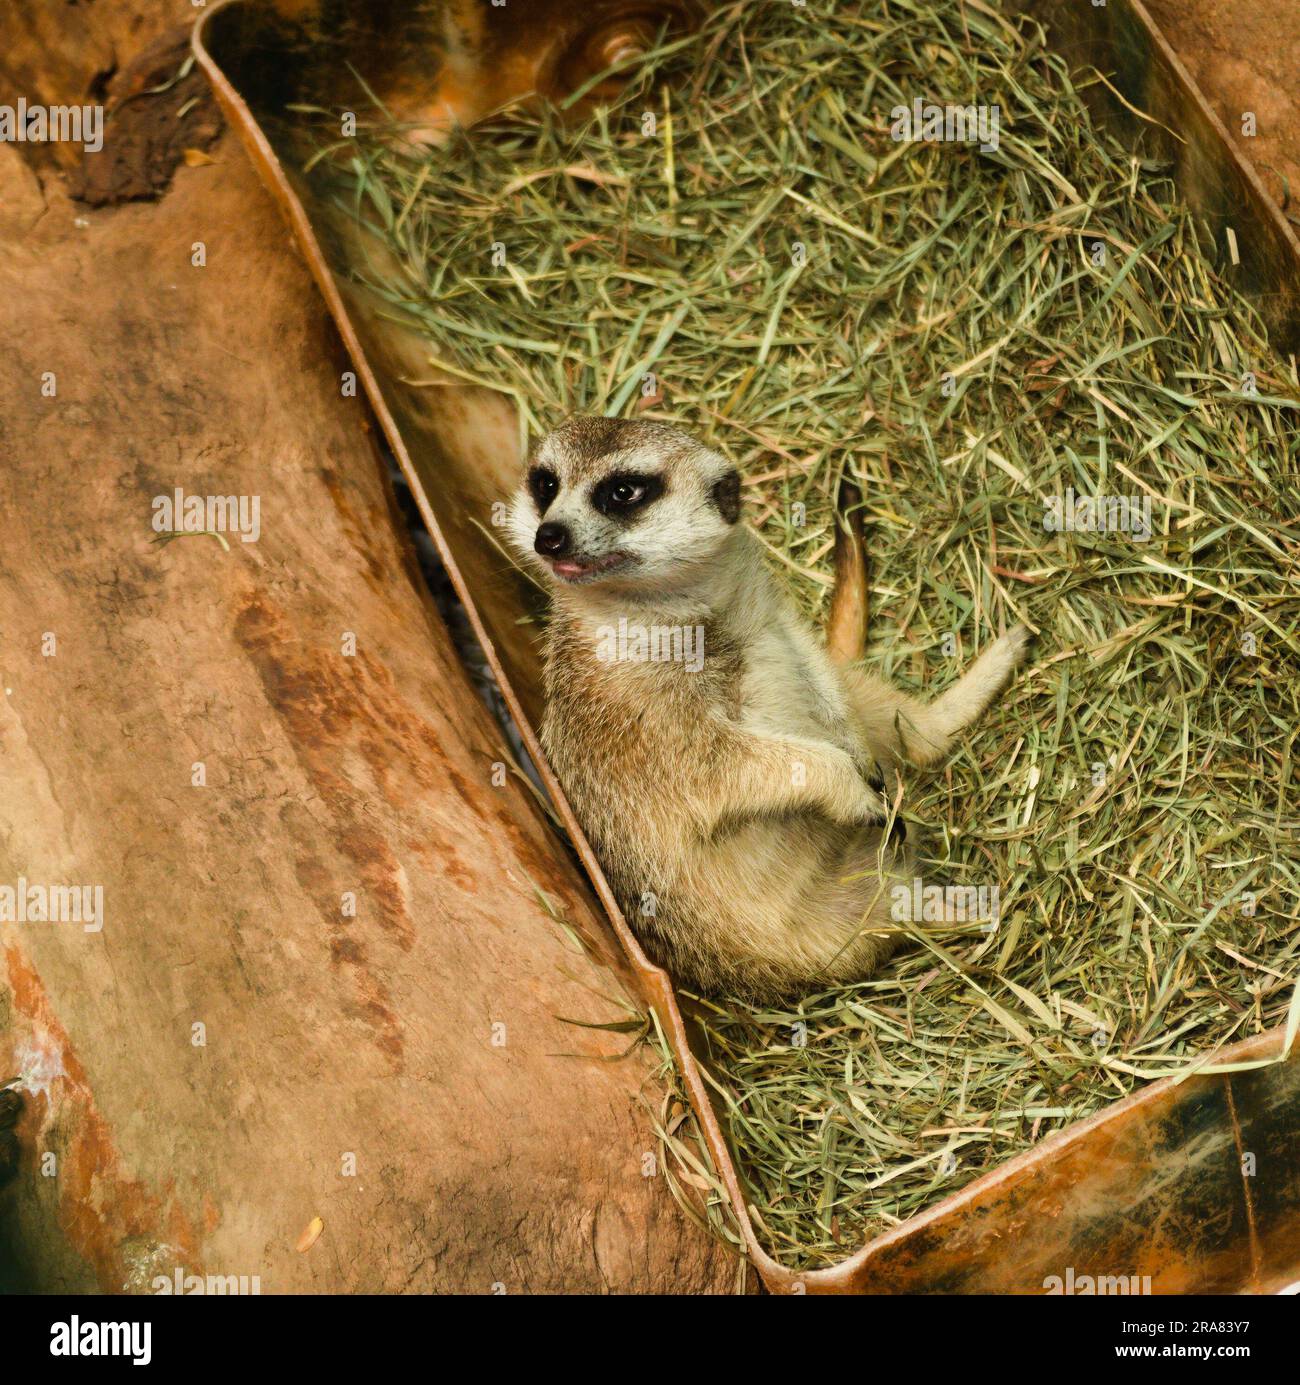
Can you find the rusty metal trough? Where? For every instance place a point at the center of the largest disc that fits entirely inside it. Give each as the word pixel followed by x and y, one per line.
pixel 1156 1185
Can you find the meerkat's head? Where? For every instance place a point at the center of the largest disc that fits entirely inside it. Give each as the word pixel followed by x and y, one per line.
pixel 624 503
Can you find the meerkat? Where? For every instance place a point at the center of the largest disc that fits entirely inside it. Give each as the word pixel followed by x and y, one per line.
pixel 732 777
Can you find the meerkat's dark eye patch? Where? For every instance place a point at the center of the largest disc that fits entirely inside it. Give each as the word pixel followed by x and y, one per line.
pixel 726 496
pixel 625 493
pixel 543 486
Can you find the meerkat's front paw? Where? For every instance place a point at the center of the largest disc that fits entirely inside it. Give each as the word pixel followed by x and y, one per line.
pixel 849 798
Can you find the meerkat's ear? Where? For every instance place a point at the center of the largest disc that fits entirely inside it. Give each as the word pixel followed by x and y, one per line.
pixel 725 494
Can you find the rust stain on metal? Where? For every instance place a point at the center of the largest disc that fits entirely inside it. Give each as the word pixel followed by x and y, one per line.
pixel 1245 1180
pixel 326 701
pixel 332 706
pixel 101 1208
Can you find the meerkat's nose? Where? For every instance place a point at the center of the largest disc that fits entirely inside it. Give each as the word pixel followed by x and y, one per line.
pixel 552 540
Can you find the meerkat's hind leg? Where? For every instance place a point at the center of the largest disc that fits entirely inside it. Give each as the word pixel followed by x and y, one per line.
pixel 846 623
pixel 899 727
pixel 962 705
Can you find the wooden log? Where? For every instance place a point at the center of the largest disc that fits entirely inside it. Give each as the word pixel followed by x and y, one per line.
pixel 231 1052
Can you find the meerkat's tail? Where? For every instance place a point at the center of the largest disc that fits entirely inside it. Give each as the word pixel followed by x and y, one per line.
pixel 846 625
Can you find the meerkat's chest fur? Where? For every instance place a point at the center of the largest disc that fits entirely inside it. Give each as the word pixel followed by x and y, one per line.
pixel 629 715
pixel 647 746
